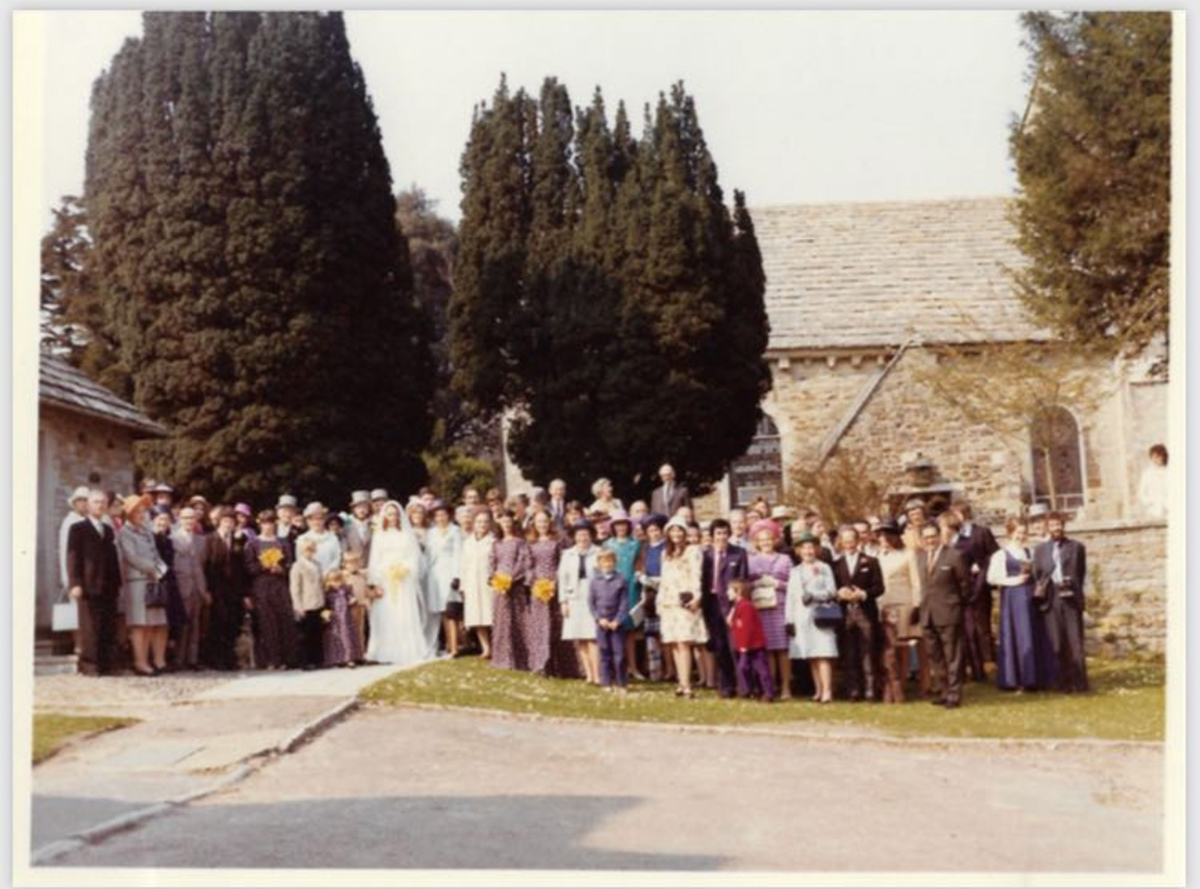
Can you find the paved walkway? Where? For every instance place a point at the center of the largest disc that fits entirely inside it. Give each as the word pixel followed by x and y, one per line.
pixel 196 731
pixel 437 789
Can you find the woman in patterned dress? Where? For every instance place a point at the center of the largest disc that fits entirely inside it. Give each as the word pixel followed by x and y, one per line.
pixel 510 608
pixel 549 655
pixel 275 642
pixel 764 561
pixel 679 602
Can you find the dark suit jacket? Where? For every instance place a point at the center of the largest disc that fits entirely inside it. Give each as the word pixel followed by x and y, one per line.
pixel 679 497
pixel 978 548
pixel 945 589
pixel 224 566
pixel 1074 568
pixel 92 561
pixel 734 564
pixel 868 577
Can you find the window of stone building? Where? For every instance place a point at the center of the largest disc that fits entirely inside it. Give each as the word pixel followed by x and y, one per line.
pixel 759 472
pixel 1056 455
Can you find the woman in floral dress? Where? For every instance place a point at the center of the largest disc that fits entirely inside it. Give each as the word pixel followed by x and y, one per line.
pixel 549 655
pixel 764 561
pixel 679 602
pixel 508 569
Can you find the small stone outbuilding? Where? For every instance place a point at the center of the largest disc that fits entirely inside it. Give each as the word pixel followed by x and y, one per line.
pixel 85 437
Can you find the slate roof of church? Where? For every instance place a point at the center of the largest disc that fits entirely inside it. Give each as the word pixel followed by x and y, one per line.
pixel 846 275
pixel 64 386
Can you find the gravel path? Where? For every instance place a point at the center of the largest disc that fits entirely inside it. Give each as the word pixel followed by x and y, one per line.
pixel 116 694
pixel 427 789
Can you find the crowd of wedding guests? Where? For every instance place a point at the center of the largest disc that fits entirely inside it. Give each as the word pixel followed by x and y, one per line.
pixel 549 584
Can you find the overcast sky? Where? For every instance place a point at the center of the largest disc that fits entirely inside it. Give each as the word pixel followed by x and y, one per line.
pixel 797 107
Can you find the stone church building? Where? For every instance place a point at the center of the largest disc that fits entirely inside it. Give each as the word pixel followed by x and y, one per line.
pixel 862 298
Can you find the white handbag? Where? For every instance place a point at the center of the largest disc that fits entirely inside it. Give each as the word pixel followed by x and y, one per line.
pixel 65 618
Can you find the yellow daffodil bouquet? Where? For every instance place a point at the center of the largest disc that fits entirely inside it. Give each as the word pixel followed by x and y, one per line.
pixel 270 558
pixel 502 583
pixel 396 573
pixel 543 590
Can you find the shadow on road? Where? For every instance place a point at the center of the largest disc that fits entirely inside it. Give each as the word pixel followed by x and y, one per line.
pixel 527 832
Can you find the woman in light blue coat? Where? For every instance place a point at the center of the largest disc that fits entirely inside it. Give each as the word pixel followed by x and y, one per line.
pixel 809 584
pixel 443 552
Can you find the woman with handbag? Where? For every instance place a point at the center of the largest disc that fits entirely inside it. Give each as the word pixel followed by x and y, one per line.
pixel 678 602
pixel 145 598
pixel 769 572
pixel 813 615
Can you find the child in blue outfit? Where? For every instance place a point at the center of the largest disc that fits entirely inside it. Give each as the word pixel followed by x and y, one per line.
pixel 608 600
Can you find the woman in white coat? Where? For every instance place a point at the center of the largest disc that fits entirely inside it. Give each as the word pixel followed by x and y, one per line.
pixel 473 576
pixel 577 567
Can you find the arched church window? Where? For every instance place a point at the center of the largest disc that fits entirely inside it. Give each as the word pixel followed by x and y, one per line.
pixel 759 472
pixel 1057 460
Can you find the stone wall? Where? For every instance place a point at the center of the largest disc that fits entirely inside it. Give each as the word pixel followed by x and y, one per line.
pixel 73 449
pixel 1126 587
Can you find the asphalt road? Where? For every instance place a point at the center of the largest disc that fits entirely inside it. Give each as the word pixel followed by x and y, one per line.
pixel 422 789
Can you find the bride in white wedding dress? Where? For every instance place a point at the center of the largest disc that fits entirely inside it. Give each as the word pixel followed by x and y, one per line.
pixel 397 622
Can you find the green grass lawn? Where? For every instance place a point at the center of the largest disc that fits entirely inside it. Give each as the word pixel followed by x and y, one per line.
pixel 1127 703
pixel 52 730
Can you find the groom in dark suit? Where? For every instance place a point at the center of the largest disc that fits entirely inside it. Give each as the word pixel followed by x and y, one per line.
pixel 94 579
pixel 1059 570
pixel 723 563
pixel 946 586
pixel 859 581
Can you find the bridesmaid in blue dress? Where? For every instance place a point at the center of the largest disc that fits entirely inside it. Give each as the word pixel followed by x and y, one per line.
pixel 1022 661
pixel 626 547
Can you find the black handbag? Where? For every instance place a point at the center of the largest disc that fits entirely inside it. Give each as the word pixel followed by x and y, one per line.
pixel 156 594
pixel 827 615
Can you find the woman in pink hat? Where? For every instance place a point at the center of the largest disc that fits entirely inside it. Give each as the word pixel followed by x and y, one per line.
pixel 767 567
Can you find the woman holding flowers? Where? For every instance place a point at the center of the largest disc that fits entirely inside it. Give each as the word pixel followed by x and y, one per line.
pixel 397 625
pixel 267 562
pixel 508 568
pixel 548 654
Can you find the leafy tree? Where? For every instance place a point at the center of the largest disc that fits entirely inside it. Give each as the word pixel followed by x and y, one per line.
pixel 844 488
pixel 1093 161
pixel 245 243
pixel 606 296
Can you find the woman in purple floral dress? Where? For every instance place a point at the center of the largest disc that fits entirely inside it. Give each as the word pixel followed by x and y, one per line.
pixel 549 655
pixel 508 569
pixel 342 645
pixel 764 561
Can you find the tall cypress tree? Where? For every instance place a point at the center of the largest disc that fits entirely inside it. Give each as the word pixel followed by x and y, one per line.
pixel 260 293
pixel 639 314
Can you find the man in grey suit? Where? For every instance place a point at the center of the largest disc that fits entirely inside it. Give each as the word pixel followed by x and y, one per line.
pixel 946 583
pixel 358 529
pixel 668 499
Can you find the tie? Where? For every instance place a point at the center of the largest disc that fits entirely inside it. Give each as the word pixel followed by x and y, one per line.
pixel 583 566
pixel 933 561
pixel 717 571
pixel 667 497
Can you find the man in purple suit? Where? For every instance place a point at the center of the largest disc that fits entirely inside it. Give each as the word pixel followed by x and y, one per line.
pixel 723 562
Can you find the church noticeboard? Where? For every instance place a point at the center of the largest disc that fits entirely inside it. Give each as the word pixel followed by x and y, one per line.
pixel 759 472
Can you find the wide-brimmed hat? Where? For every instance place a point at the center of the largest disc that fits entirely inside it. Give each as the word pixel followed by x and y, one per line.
pixel 620 515
pixel 676 522
pixel 135 501
pixel 783 513
pixel 198 498
pixel 359 497
pixel 914 503
pixel 1038 510
pixel 244 509
pixel 314 508
pixel 287 500
pixel 379 494
pixel 440 505
pixel 162 488
pixel 80 493
pixel 807 537
pixel 765 525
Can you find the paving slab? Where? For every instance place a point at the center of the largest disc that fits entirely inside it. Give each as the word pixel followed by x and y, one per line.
pixel 335 683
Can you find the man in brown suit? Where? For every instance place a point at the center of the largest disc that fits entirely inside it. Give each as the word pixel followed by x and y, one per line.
pixel 94 578
pixel 946 586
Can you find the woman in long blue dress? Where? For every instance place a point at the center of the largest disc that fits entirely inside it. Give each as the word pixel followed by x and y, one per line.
pixel 1022 663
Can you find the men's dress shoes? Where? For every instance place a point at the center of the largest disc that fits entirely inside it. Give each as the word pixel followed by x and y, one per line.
pixel 938 702
pixel 951 705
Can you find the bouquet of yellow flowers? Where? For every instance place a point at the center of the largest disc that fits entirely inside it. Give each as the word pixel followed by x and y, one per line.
pixel 326 615
pixel 543 590
pixel 270 558
pixel 502 583
pixel 397 572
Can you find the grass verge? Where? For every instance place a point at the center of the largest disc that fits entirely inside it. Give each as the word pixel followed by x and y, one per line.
pixel 1127 703
pixel 52 730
